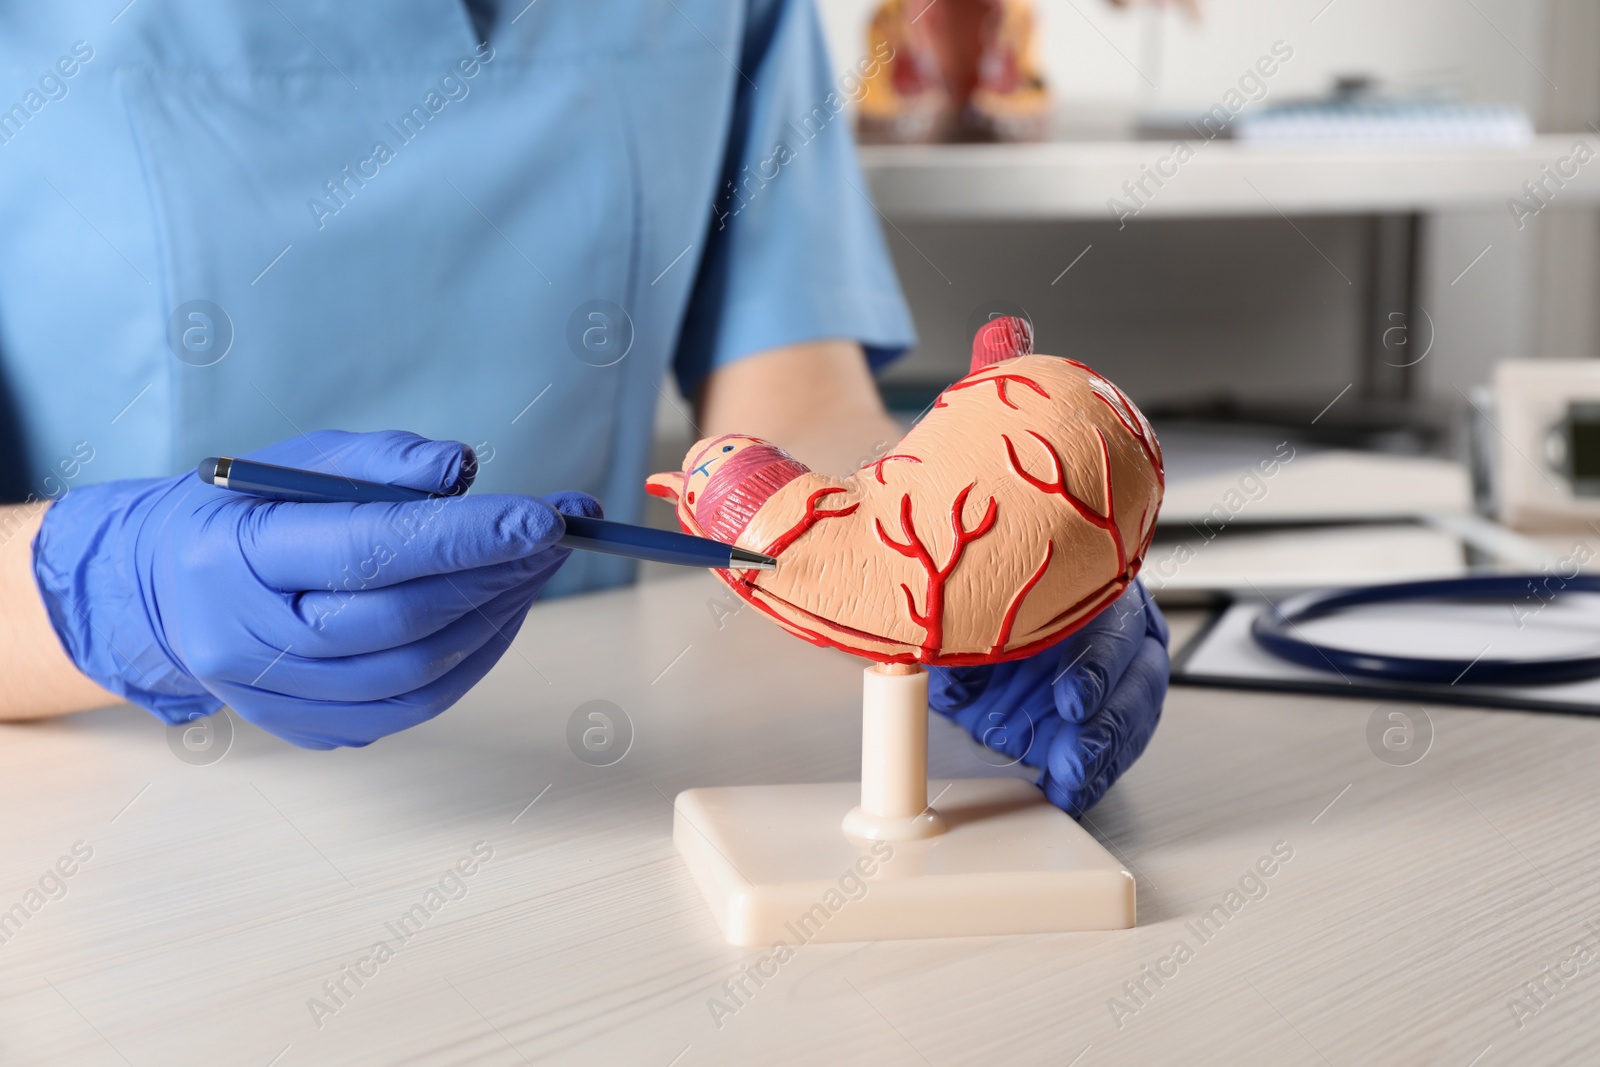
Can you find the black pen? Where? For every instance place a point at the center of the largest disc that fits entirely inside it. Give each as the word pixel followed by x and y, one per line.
pixel 589 535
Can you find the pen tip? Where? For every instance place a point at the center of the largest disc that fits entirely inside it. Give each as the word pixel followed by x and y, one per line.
pixel 745 560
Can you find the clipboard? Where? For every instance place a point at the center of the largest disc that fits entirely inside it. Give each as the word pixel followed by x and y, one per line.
pixel 1223 655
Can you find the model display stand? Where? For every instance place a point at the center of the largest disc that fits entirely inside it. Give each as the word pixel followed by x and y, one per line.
pixel 842 861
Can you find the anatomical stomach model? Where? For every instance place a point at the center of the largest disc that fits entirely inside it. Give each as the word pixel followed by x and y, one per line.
pixel 1015 511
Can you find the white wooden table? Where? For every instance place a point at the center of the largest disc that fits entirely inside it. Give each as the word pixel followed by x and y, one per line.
pixel 220 898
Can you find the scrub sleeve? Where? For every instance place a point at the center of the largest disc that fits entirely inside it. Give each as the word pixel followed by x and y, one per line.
pixel 794 249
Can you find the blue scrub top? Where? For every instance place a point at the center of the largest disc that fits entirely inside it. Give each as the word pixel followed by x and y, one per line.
pixel 225 223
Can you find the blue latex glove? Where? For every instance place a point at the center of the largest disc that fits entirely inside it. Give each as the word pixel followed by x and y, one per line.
pixel 1081 711
pixel 326 624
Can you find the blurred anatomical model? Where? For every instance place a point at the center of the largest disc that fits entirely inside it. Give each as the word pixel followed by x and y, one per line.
pixel 959 69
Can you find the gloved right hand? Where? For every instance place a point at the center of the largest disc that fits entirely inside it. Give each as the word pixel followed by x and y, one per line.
pixel 1081 711
pixel 325 624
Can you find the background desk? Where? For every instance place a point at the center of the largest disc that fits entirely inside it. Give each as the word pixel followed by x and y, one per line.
pixel 1074 179
pixel 220 898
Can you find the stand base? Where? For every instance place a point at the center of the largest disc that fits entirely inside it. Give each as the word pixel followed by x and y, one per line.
pixel 775 865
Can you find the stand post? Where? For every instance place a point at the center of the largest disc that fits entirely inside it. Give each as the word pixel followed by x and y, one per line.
pixel 894 757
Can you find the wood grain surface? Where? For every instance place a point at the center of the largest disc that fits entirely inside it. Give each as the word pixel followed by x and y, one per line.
pixel 219 897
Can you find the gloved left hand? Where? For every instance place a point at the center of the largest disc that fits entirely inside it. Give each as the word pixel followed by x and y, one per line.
pixel 1081 711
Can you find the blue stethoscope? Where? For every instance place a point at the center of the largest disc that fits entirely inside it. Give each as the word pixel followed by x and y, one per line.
pixel 1276 631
